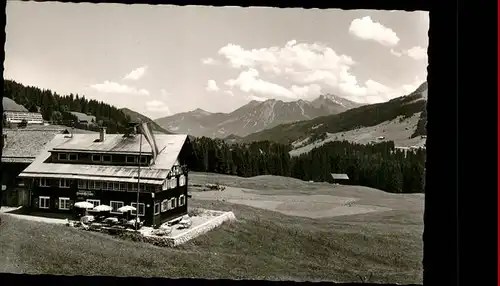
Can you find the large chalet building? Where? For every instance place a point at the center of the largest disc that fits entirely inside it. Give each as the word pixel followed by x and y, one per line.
pixel 108 169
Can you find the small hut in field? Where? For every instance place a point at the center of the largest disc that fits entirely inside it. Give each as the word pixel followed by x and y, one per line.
pixel 340 178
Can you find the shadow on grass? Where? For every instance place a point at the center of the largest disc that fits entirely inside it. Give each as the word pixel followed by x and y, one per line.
pixel 24 211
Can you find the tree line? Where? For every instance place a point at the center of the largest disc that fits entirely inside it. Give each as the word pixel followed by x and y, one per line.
pixel 377 165
pixel 57 108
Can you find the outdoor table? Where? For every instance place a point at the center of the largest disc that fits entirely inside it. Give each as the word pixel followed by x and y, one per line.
pixel 110 220
pixel 87 219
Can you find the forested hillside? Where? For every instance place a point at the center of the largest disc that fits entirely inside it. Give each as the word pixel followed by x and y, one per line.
pixel 377 165
pixel 57 108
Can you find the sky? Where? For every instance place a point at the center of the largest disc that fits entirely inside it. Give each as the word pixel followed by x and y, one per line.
pixel 160 60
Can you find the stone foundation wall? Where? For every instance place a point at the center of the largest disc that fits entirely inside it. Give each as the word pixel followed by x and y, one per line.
pixel 201 229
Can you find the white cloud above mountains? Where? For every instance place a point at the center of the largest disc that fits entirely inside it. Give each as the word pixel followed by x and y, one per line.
pixel 136 74
pixel 212 86
pixel 114 87
pixel 308 69
pixel 367 29
pixel 417 53
pixel 158 106
pixel 124 89
pixel 209 61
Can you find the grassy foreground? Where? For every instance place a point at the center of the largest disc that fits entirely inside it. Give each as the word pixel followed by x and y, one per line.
pixel 261 245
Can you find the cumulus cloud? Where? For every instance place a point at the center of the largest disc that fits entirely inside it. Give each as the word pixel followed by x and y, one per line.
pixel 366 29
pixel 113 87
pixel 417 53
pixel 228 92
pixel 209 61
pixel 249 81
pixel 136 74
pixel 157 106
pixel 211 86
pixel 397 54
pixel 308 69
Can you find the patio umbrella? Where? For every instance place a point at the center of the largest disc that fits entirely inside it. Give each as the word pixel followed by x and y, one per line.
pixel 84 205
pixel 103 208
pixel 126 209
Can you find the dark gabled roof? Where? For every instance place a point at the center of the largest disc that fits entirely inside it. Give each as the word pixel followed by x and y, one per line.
pixel 340 176
pixel 24 144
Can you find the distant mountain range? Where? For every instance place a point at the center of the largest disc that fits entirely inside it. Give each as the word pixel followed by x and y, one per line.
pixel 253 117
pixel 398 109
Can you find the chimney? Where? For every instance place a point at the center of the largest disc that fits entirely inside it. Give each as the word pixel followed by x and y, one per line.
pixel 102 133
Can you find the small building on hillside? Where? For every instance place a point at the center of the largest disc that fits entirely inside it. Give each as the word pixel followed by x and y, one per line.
pixel 16 117
pixel 340 178
pixel 83 118
pixel 20 148
pixel 105 169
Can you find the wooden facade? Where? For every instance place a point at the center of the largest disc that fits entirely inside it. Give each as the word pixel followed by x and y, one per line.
pixel 109 177
pixel 14 194
pixel 60 195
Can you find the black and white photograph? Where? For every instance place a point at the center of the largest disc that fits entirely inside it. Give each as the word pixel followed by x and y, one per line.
pixel 254 143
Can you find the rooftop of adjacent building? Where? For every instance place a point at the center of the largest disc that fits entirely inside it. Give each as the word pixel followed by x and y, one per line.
pixel 22 145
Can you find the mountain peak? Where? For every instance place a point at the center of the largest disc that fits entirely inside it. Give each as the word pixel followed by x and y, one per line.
pixel 201 111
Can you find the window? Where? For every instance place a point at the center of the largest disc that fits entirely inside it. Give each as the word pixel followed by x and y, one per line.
pixel 173 203
pixel 62 156
pixel 94 202
pixel 182 200
pixel 164 205
pixel 64 183
pixel 182 180
pixel 157 208
pixel 104 186
pixel 123 186
pixel 173 183
pixel 64 203
pixel 142 187
pixel 116 186
pixel 142 210
pixel 131 159
pixel 43 202
pixel 109 185
pixel 94 185
pixel 73 157
pixel 144 159
pixel 44 182
pixel 96 158
pixel 82 184
pixel 115 205
pixel 132 186
pixel 106 158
